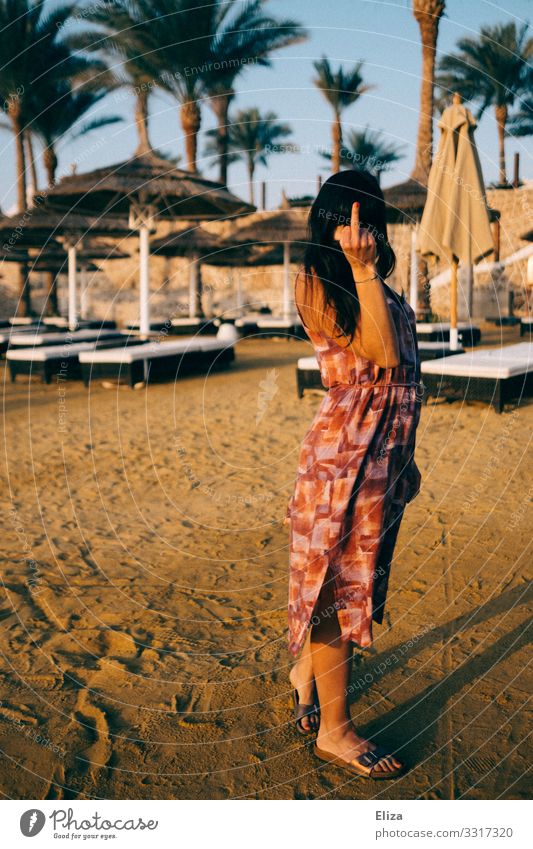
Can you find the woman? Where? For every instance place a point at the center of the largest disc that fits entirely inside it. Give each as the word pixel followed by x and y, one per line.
pixel 356 468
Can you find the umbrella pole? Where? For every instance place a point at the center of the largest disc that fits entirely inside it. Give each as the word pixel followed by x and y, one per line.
pixel 413 275
pixel 144 279
pixel 454 337
pixel 195 289
pixel 72 305
pixel 287 307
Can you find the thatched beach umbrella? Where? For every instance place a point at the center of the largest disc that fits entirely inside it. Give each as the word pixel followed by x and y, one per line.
pixel 144 189
pixel 196 244
pixel 43 229
pixel 456 220
pixel 56 259
pixel 283 227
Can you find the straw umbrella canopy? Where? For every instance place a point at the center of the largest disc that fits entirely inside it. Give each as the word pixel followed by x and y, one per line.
pixel 456 222
pixel 44 229
pixel 145 188
pixel 282 227
pixel 206 247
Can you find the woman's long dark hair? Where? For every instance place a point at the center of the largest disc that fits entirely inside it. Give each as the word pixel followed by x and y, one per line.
pixel 324 256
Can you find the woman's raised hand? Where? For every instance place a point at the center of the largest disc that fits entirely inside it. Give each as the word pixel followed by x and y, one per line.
pixel 359 248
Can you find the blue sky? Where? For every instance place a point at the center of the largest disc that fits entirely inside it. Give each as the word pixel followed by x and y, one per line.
pixel 382 34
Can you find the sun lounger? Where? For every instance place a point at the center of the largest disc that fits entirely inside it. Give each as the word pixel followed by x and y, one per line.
pixel 469 334
pixel 187 326
pixel 21 320
pixel 503 320
pixel 59 322
pixel 7 334
pixel 308 373
pixel 48 361
pixel 178 326
pixel 158 360
pixel 526 326
pixel 497 375
pixel 269 326
pixel 37 339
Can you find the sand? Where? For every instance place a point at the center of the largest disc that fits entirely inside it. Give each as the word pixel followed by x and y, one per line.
pixel 143 626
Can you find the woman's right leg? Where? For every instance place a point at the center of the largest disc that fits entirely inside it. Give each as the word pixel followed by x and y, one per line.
pixel 331 661
pixel 302 679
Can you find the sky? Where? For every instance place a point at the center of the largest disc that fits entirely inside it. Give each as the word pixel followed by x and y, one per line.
pixel 381 33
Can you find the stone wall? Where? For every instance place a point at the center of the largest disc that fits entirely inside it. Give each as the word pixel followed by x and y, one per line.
pixel 113 291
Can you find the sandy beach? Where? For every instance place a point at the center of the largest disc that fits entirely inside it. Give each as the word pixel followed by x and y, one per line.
pixel 143 625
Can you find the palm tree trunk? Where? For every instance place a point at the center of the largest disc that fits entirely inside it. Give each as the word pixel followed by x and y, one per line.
pixel 24 302
pixel 191 120
pixel 251 172
pixel 220 104
pixel 50 164
pixel 336 133
pixel 501 120
pixel 31 161
pixel 51 300
pixel 424 311
pixel 16 122
pixel 141 121
pixel 428 16
pixel 15 114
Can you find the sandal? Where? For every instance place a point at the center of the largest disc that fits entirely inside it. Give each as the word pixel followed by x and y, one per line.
pixel 364 765
pixel 301 711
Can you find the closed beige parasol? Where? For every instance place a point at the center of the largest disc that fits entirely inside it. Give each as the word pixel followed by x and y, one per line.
pixel 455 223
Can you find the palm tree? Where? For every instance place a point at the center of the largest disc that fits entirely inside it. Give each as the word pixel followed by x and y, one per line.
pixel 33 51
pixel 59 118
pixel 341 89
pixel 428 14
pixel 492 69
pixel 31 45
pixel 129 32
pixel 165 44
pixel 252 137
pixel 247 37
pixel 521 123
pixel 368 149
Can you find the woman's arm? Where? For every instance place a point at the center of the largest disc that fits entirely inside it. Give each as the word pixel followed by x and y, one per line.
pixel 376 334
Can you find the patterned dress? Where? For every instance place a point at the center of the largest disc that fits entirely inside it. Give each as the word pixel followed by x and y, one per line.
pixel 356 473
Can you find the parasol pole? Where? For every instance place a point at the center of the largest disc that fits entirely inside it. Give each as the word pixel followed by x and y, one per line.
pixel 144 279
pixel 194 286
pixel 454 337
pixel 413 272
pixel 142 220
pixel 287 307
pixel 71 250
pixel 72 244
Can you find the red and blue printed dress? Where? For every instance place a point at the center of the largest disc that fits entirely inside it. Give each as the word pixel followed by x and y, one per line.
pixel 356 473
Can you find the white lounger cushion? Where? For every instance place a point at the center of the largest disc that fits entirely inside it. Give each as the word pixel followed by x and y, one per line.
pixel 189 322
pixel 431 327
pixel 277 322
pixel 307 363
pixel 434 346
pixel 55 352
pixel 495 364
pixel 151 350
pixel 57 338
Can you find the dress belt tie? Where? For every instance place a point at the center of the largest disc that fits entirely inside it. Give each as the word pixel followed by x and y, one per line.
pixel 414 384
